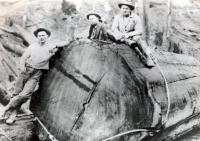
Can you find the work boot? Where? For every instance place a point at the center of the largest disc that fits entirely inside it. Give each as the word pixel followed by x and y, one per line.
pixel 129 42
pixel 12 118
pixel 4 114
pixel 149 62
pixel 10 121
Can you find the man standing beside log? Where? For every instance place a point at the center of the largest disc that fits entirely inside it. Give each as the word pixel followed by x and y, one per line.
pixel 34 60
pixel 127 28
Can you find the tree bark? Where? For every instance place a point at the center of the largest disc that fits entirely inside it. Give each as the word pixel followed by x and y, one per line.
pixel 145 15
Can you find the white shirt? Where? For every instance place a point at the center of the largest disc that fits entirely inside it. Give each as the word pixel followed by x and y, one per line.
pixel 131 23
pixel 38 56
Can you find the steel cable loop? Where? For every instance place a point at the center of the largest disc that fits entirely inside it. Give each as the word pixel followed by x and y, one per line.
pixel 166 88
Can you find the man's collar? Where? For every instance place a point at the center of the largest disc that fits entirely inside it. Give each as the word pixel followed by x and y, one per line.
pixel 130 16
pixel 43 44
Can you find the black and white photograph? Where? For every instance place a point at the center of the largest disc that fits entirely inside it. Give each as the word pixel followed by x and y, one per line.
pixel 99 70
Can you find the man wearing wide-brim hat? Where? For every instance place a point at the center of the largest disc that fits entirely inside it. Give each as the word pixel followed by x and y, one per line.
pixel 97 29
pixel 33 62
pixel 127 28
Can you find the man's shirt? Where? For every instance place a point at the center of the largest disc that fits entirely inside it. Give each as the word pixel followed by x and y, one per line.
pixel 127 24
pixel 38 56
pixel 97 32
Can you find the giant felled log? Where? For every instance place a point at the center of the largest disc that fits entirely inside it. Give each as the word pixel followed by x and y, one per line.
pixel 124 99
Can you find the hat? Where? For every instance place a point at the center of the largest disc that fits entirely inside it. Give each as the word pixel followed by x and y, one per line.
pixel 95 14
pixel 41 29
pixel 127 3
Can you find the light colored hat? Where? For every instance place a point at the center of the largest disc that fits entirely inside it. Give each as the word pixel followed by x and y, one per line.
pixel 128 3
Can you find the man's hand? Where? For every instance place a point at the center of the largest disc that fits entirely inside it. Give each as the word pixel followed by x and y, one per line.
pixel 53 50
pixel 118 37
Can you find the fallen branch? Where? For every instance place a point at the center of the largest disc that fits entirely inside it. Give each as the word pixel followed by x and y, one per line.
pixel 29 38
pixel 16 49
pixel 10 31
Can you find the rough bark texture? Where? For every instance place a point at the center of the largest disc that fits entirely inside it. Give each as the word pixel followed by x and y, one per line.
pixel 121 102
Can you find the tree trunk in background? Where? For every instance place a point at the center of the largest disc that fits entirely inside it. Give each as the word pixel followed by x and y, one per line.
pixel 145 17
pixel 166 34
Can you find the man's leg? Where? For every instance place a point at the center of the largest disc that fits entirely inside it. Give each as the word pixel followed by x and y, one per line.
pixel 26 93
pixel 147 52
pixel 23 76
pixel 25 108
pixel 22 79
pixel 143 48
pixel 11 118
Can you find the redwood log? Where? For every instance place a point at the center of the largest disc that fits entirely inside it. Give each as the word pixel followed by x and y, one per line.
pixel 125 98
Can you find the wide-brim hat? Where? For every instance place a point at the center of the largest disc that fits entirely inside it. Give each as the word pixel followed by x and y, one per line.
pixel 95 14
pixel 127 3
pixel 42 29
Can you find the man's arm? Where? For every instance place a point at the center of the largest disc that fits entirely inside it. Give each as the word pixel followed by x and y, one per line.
pixel 115 29
pixel 90 32
pixel 23 59
pixel 63 43
pixel 114 26
pixel 59 44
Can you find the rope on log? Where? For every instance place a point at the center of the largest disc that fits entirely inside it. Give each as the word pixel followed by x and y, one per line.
pixel 128 132
pixel 51 137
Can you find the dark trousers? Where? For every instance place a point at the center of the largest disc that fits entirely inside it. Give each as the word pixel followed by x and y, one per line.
pixel 25 85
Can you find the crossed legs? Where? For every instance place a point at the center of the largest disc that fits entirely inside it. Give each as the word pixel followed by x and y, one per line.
pixel 27 84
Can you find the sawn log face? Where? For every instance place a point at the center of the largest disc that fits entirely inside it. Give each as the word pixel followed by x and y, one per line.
pixel 121 101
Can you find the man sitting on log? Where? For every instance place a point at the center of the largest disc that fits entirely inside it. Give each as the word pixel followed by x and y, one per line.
pixel 97 30
pixel 127 28
pixel 34 60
